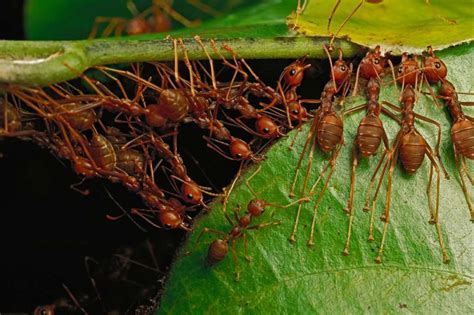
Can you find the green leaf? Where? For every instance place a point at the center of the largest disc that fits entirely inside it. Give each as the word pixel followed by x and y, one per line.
pixel 257 31
pixel 73 19
pixel 292 278
pixel 398 24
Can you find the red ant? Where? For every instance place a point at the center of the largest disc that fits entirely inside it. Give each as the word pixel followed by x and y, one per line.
pixel 219 248
pixel 326 132
pixel 410 147
pixel 370 134
pixel 462 133
pixel 155 19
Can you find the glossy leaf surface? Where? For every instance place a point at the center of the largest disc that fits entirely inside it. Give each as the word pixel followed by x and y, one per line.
pixel 292 278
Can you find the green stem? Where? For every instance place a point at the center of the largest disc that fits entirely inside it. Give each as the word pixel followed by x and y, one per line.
pixel 40 63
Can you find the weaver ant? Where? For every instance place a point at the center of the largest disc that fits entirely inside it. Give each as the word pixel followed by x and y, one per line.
pixel 370 134
pixel 326 132
pixel 219 248
pixel 462 135
pixel 410 147
pixel 155 19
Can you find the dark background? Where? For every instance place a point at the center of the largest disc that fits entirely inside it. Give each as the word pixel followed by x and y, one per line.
pixel 47 229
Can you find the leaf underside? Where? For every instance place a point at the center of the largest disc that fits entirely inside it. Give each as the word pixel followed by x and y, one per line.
pixel 292 278
pixel 400 25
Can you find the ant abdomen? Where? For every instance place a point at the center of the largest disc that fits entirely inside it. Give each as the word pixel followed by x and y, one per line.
pixel 329 132
pixel 131 162
pixel 462 134
pixel 173 104
pixel 217 251
pixel 82 120
pixel 369 135
pixel 103 152
pixel 412 151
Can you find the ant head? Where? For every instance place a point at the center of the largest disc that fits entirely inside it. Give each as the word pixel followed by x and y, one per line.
pixel 434 68
pixel 217 251
pixel 256 207
pixel 447 89
pixel 373 64
pixel 239 149
pixel 408 70
pixel 297 111
pixel 153 116
pixel 170 219
pixel 409 95
pixel 137 26
pixel 266 126
pixel 341 70
pixel 44 310
pixel 191 192
pixel 294 73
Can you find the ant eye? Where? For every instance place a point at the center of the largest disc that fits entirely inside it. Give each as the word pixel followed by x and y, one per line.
pixel 292 72
pixel 168 226
pixel 343 68
pixel 266 130
pixel 376 61
pixel 437 65
pixel 190 196
pixel 400 70
pixel 238 155
pixel 295 111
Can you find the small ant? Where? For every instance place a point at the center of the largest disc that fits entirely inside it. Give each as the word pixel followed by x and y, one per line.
pixel 410 148
pixel 219 248
pixel 155 19
pixel 327 133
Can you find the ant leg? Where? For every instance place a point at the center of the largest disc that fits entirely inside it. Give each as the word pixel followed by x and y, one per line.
pixel 349 207
pixel 309 138
pixel 247 181
pixel 204 8
pixel 428 194
pixel 464 166
pixel 264 224
pixel 74 299
pixel 235 258
pixel 374 199
pixel 331 162
pixel 204 231
pixel 333 37
pixel 356 84
pixel 438 142
pixel 463 184
pixel 392 69
pixel 429 153
pixel 85 192
pixel 246 249
pixel 386 215
pixel 175 15
pixel 305 182
pixel 92 280
pixel 333 11
pixel 431 92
